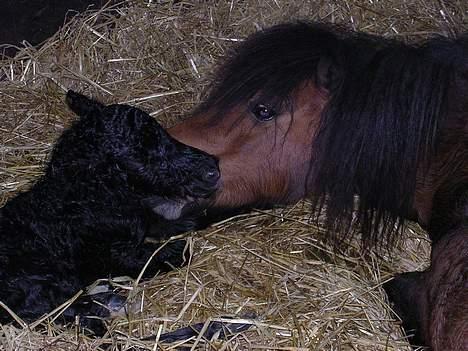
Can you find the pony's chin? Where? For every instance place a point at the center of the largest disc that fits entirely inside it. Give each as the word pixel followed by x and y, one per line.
pixel 234 197
pixel 233 201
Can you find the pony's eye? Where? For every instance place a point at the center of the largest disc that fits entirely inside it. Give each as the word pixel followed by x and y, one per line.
pixel 263 113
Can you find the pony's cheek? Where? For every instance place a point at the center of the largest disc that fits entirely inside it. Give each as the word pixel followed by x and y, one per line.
pixel 297 180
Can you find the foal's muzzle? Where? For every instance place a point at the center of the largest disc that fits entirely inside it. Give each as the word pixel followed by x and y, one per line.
pixel 208 176
pixel 211 176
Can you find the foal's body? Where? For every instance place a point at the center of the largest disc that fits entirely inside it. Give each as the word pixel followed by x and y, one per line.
pixel 114 178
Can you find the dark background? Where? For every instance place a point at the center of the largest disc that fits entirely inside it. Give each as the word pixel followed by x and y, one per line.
pixel 36 20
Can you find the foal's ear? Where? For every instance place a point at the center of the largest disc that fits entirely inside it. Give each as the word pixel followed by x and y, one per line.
pixel 328 73
pixel 81 104
pixel 170 209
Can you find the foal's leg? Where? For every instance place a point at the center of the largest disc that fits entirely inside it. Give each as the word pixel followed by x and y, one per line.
pixel 126 259
pixel 34 295
pixel 93 308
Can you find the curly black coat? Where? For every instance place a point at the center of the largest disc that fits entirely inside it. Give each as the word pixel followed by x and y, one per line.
pixel 114 178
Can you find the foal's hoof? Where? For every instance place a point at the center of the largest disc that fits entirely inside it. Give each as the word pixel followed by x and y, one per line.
pixel 221 329
pixel 173 255
pixel 93 310
pixel 215 329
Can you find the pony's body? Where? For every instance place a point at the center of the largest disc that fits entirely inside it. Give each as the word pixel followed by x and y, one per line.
pixel 433 304
pixel 114 178
pixel 372 130
pixel 309 110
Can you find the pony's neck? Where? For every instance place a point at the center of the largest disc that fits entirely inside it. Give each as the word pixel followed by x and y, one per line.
pixel 450 212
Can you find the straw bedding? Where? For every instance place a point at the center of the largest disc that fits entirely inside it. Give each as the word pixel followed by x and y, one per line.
pixel 268 268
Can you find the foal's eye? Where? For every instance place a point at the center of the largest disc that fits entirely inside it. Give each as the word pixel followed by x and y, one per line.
pixel 263 113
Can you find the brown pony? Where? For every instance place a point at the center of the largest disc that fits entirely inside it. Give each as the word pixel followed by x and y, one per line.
pixel 313 110
pixel 433 304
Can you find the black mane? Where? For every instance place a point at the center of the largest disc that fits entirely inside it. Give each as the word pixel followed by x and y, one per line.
pixel 387 104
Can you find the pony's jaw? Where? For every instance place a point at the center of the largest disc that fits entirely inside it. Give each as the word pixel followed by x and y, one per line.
pixel 246 187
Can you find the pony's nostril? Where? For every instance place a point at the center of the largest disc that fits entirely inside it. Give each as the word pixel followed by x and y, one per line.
pixel 212 175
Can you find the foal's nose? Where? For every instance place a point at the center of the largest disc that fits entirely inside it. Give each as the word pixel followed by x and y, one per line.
pixel 211 175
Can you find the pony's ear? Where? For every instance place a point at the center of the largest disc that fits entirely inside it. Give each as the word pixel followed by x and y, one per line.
pixel 81 104
pixel 328 73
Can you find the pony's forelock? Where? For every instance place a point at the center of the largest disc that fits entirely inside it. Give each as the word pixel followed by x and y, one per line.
pixel 269 67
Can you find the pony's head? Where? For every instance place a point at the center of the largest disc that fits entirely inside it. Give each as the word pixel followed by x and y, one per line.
pixel 261 113
pixel 314 110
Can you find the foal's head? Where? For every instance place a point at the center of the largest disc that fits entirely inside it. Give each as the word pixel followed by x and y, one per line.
pixel 123 148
